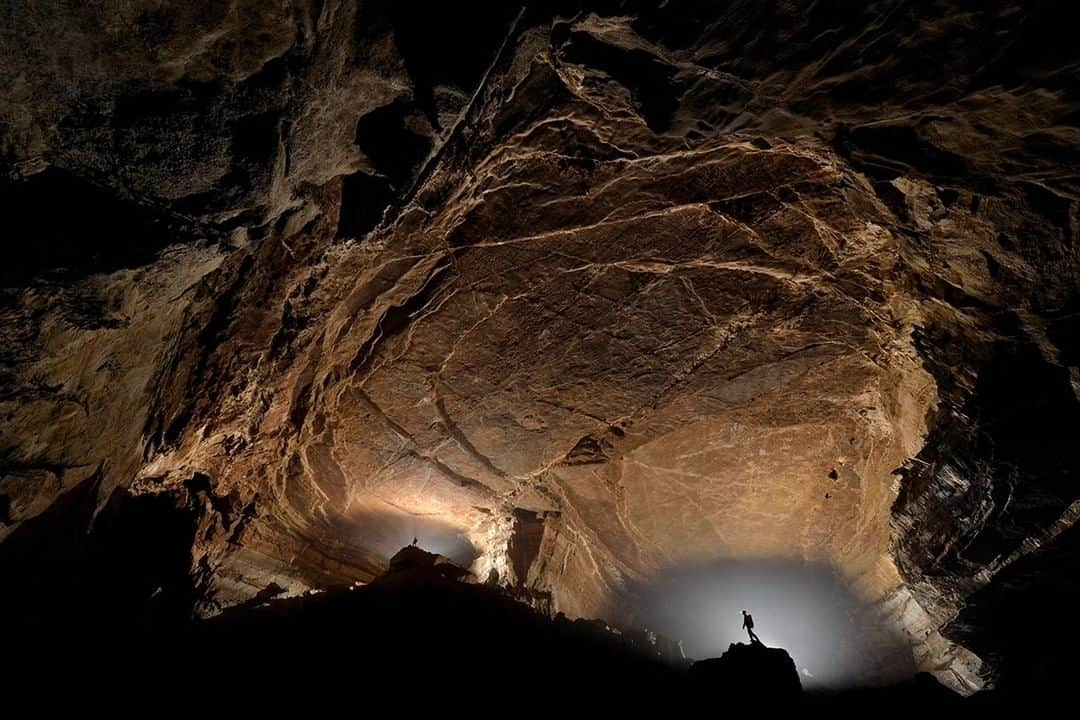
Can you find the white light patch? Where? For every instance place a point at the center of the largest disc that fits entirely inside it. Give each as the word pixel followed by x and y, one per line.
pixel 807 609
pixel 383 530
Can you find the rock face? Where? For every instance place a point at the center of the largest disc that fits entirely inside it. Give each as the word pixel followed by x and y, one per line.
pixel 572 293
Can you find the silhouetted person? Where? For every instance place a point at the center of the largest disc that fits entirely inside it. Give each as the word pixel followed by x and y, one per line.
pixel 415 540
pixel 748 623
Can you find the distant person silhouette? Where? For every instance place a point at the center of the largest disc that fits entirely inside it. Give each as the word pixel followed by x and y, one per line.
pixel 748 623
pixel 415 540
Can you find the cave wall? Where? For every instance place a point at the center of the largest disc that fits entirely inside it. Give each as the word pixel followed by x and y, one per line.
pixel 580 290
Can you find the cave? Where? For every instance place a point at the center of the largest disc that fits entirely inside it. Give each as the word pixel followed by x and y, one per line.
pixel 534 343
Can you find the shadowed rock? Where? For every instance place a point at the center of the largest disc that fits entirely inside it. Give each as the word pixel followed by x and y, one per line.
pixel 752 672
pixel 412 559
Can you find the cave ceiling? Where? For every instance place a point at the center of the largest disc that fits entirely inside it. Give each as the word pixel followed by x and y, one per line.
pixel 573 292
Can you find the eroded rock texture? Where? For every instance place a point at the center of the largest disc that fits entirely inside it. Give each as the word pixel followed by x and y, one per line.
pixel 572 292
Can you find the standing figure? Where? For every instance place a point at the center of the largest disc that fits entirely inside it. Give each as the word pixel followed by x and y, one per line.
pixel 748 624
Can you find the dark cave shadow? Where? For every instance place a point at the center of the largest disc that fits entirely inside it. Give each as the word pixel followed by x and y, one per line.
pixel 836 638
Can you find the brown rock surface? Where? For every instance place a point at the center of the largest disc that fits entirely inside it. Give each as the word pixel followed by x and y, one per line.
pixel 571 295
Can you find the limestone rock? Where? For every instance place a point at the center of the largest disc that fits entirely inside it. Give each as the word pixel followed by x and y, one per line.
pixel 572 292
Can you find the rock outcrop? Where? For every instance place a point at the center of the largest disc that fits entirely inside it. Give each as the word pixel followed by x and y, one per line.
pixel 571 291
pixel 751 672
pixel 413 559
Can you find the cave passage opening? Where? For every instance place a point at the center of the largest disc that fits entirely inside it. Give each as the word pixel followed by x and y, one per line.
pixel 835 637
pixel 382 529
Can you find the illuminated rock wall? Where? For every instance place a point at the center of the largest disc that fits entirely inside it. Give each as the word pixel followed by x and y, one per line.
pixel 577 297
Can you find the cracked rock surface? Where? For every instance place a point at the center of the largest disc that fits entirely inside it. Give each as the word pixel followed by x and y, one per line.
pixel 573 292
